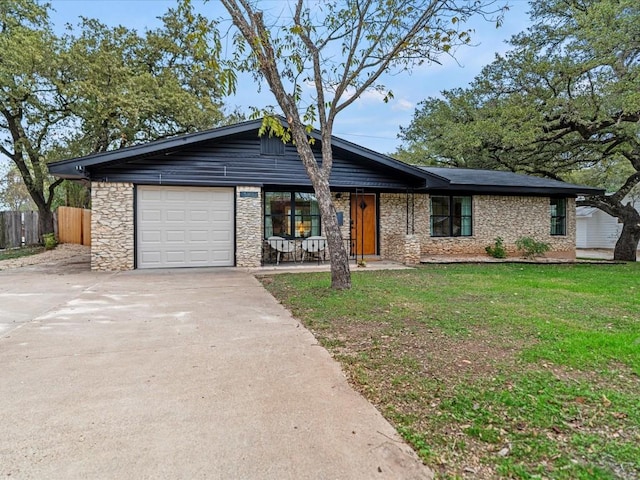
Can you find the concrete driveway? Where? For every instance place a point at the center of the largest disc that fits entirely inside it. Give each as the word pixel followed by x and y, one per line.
pixel 177 374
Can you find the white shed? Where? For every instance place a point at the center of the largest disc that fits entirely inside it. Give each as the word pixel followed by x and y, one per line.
pixel 596 229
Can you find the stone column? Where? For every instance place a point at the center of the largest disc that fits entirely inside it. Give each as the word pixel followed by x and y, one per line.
pixel 249 221
pixel 112 244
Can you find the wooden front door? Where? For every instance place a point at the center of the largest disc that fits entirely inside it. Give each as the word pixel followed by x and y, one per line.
pixel 363 224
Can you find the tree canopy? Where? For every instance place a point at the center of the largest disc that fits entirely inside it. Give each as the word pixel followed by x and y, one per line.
pixel 318 58
pixel 13 192
pixel 97 88
pixel 566 98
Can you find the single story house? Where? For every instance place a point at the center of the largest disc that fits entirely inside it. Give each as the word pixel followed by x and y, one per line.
pixel 213 198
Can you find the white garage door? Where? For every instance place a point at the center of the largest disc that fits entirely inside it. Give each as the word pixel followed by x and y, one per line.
pixel 184 227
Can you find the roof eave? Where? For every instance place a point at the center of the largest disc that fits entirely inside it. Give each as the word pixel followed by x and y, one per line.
pixel 524 190
pixel 67 172
pixel 153 148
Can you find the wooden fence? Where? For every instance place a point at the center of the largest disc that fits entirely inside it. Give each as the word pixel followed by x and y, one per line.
pixel 74 225
pixel 18 228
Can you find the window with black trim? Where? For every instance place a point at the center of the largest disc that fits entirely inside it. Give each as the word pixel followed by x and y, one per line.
pixel 451 216
pixel 558 212
pixel 291 215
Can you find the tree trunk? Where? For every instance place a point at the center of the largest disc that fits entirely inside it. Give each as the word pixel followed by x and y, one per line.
pixel 45 221
pixel 627 245
pixel 340 273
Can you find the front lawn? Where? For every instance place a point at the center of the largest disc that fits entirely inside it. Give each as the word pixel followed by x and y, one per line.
pixel 497 370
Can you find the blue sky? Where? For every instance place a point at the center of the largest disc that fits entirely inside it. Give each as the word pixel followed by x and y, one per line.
pixel 370 121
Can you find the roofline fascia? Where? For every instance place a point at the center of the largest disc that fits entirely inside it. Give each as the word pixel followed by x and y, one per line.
pixel 514 191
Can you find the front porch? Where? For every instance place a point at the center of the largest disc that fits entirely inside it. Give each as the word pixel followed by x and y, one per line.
pixel 371 262
pixel 277 250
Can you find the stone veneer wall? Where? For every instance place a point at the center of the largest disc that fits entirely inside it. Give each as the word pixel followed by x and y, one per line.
pixel 399 242
pixel 343 204
pixel 509 217
pixel 112 227
pixel 403 249
pixel 249 224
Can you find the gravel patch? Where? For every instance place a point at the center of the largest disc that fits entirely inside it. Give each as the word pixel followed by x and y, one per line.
pixel 62 252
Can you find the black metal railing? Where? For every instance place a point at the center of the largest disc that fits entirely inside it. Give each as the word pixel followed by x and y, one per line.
pixel 278 250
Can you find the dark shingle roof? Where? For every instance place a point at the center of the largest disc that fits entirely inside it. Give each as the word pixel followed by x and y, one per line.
pixel 493 181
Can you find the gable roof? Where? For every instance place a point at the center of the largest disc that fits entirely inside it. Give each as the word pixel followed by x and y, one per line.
pixel 78 168
pixel 495 181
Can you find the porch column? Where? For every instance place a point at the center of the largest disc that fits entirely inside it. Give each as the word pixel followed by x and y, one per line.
pixel 403 249
pixel 249 226
pixel 411 250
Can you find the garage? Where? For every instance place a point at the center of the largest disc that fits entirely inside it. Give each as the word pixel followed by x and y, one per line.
pixel 184 227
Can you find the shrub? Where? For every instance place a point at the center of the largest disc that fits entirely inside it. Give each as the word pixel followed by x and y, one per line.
pixel 497 250
pixel 49 241
pixel 531 248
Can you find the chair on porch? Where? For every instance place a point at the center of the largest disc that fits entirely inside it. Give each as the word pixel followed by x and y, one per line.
pixel 282 246
pixel 315 247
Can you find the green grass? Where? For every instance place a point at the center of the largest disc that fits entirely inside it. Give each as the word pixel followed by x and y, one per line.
pixel 497 370
pixel 20 252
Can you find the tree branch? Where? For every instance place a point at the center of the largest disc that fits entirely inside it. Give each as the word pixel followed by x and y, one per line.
pixel 600 202
pixel 383 64
pixel 51 190
pixel 623 191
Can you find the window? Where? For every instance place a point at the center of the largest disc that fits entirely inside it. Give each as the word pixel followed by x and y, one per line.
pixel 558 211
pixel 291 215
pixel 451 216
